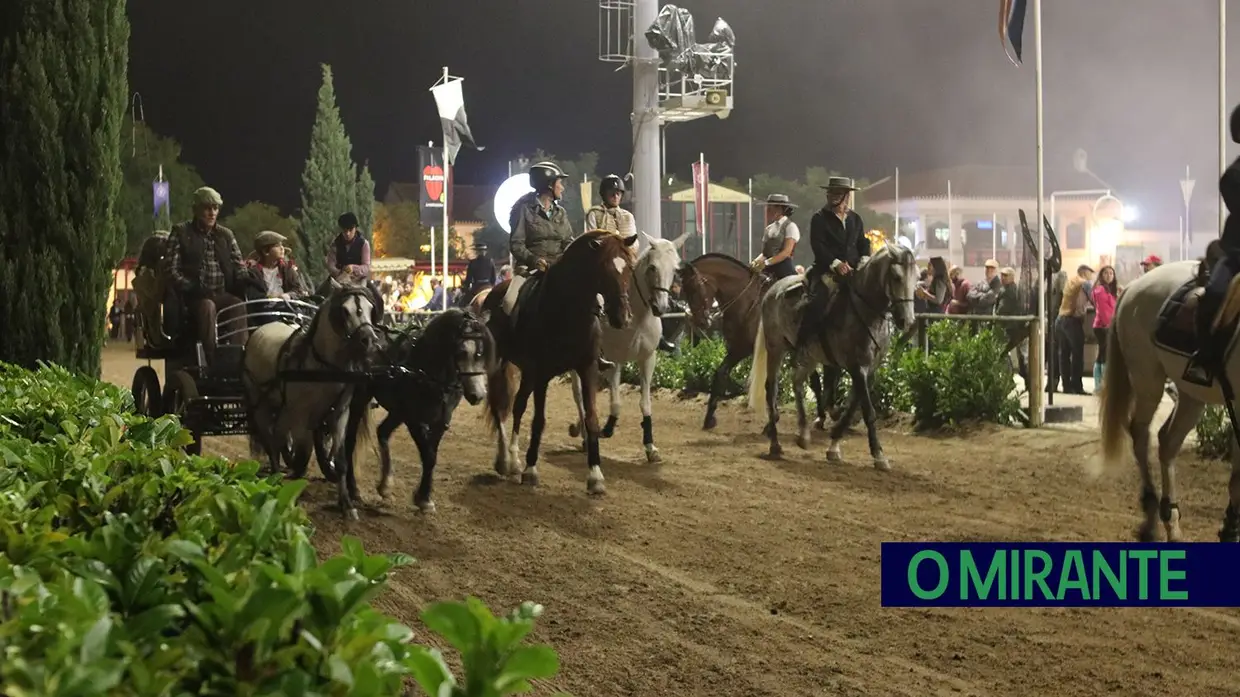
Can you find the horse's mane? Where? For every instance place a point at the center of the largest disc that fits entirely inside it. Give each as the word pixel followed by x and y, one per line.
pixel 722 257
pixel 410 347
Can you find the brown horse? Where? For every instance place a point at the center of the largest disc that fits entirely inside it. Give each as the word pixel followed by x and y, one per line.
pixel 738 290
pixel 556 330
pixel 475 304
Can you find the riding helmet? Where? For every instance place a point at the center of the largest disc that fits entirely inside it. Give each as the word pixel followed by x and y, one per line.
pixel 544 174
pixel 1235 125
pixel 611 182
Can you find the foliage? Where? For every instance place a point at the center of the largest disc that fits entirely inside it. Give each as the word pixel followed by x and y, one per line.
pixel 966 377
pixel 329 183
pixel 398 230
pixel 1214 437
pixel 365 206
pixel 63 69
pixel 254 217
pixel 130 568
pixel 496 240
pixel 143 153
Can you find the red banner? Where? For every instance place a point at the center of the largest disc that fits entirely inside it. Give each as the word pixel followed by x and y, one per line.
pixel 701 194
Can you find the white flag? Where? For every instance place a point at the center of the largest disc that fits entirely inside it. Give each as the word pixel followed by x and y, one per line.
pixel 451 104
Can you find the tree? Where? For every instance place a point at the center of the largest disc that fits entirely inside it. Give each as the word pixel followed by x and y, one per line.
pixel 63 69
pixel 328 182
pixel 254 217
pixel 366 203
pixel 398 231
pixel 143 153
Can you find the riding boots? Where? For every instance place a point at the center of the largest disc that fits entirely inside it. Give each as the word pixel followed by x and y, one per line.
pixel 815 308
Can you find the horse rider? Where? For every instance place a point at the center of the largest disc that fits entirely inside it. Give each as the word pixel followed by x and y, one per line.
pixel 348 256
pixel 1207 362
pixel 279 277
pixel 779 239
pixel 837 238
pixel 541 231
pixel 479 275
pixel 610 216
pixel 205 266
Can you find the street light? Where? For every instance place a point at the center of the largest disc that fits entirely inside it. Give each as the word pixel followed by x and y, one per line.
pixel 1130 214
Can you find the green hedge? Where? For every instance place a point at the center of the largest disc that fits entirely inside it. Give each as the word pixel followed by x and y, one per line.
pixel 1214 438
pixel 130 568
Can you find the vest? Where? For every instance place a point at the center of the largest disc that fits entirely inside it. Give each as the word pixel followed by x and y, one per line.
pixel 348 252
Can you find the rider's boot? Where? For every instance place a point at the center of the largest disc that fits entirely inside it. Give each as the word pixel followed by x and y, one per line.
pixel 815 308
pixel 1204 364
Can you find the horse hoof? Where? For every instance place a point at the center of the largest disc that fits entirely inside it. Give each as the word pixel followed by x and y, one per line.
pixel 833 454
pixel 574 430
pixel 595 487
pixel 351 514
pixel 425 506
pixel 882 464
pixel 709 423
pixel 820 424
pixel 529 478
pixel 803 442
pixel 775 452
pixel 652 454
pixel 1145 533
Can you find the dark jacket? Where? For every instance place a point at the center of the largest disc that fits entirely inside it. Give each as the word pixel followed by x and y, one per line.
pixel 290 277
pixel 1229 188
pixel 832 239
pixel 1009 304
pixel 480 274
pixel 538 234
pixel 185 251
pixel 983 296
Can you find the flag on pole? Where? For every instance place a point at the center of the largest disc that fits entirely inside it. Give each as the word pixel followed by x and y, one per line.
pixel 161 194
pixel 1012 27
pixel 701 193
pixel 450 102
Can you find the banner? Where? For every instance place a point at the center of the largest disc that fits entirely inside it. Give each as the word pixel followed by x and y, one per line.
pixel 1059 574
pixel 1012 27
pixel 701 194
pixel 450 102
pixel 161 198
pixel 432 186
pixel 587 196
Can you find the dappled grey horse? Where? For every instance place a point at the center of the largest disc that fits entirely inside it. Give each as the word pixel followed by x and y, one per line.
pixel 853 338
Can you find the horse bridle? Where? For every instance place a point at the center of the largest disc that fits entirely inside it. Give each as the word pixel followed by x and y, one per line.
pixel 654 288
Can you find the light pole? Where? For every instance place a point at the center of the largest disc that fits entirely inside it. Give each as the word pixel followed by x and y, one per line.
pixel 1186 235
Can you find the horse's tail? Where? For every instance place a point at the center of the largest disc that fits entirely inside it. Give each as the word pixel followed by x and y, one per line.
pixel 501 385
pixel 1115 408
pixel 757 372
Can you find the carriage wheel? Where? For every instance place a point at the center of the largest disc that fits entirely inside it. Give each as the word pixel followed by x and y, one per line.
pixel 178 393
pixel 146 396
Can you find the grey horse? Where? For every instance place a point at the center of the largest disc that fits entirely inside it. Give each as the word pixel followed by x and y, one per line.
pixel 854 338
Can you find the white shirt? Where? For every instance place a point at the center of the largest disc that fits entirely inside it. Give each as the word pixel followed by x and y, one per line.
pixel 275 285
pixel 776 233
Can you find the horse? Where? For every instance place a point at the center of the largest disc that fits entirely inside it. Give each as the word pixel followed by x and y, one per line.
pixel 286 414
pixel 1140 358
pixel 653 276
pixel 431 369
pixel 855 341
pixel 475 303
pixel 556 330
pixel 738 290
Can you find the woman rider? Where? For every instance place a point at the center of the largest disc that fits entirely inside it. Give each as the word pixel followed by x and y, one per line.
pixel 779 240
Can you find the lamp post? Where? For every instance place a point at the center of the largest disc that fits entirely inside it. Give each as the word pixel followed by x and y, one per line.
pixel 1186 234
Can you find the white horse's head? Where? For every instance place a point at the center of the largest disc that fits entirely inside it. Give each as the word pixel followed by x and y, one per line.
pixel 655 273
pixel 891 276
pixel 346 326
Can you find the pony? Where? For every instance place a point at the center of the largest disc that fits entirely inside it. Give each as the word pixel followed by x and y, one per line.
pixel 288 415
pixel 857 337
pixel 1137 367
pixel 430 370
pixel 653 277
pixel 738 289
pixel 556 330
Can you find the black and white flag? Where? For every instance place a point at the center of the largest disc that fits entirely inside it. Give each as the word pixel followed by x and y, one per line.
pixel 451 104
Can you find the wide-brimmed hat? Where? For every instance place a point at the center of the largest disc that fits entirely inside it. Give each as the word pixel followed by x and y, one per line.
pixel 779 200
pixel 268 238
pixel 839 184
pixel 480 245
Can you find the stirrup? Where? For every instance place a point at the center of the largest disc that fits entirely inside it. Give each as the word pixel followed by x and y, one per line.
pixel 1198 372
pixel 605 365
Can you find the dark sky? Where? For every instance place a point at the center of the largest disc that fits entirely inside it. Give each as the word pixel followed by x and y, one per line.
pixel 855 85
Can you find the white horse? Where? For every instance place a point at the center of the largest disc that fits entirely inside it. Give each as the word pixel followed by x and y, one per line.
pixel 653 276
pixel 284 414
pixel 1132 388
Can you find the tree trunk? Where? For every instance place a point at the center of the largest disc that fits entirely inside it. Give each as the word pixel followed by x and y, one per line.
pixel 63 74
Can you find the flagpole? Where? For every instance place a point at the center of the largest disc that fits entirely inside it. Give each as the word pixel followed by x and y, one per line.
pixel 431 145
pixel 447 180
pixel 951 228
pixel 1222 106
pixel 750 250
pixel 896 234
pixel 1037 366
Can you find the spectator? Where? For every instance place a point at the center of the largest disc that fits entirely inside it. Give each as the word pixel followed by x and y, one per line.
pixel 438 298
pixel 983 296
pixel 959 304
pixel 1070 331
pixel 1153 261
pixel 1106 291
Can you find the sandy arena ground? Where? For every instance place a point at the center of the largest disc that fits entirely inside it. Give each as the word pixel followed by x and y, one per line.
pixel 719 573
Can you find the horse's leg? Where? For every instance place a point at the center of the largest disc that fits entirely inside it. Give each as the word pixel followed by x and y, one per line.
pixel 518 412
pixel 815 384
pixel 842 423
pixel 647 368
pixel 774 359
pixel 344 430
pixel 530 474
pixel 1230 532
pixel 613 414
pixel 594 479
pixel 861 395
pixel 716 387
pixel 1184 417
pixel 384 434
pixel 427 439
pixel 799 375
pixel 575 430
pixel 1146 403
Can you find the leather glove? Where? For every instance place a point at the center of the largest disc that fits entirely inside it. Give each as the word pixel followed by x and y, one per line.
pixel 541 264
pixel 758 264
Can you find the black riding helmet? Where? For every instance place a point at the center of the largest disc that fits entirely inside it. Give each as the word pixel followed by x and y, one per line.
pixel 1235 125
pixel 544 174
pixel 610 183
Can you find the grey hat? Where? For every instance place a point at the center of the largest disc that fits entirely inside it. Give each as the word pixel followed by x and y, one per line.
pixel 779 200
pixel 268 238
pixel 839 183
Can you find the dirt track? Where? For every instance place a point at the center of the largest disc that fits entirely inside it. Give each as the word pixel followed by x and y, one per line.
pixel 719 573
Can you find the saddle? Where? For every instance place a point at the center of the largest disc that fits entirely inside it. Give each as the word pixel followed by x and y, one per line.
pixel 1176 330
pixel 527 296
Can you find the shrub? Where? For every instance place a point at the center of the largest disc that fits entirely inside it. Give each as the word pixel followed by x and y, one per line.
pixel 1214 437
pixel 130 568
pixel 966 378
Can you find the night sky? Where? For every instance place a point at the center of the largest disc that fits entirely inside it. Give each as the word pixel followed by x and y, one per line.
pixel 860 86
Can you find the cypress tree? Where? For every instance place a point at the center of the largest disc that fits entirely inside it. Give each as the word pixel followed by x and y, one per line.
pixel 366 205
pixel 63 77
pixel 328 182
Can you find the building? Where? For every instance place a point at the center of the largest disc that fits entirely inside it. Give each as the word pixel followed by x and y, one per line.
pixel 727 225
pixel 982 205
pixel 469 207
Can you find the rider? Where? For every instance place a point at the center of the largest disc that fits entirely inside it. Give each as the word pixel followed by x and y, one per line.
pixel 479 275
pixel 348 257
pixel 204 264
pixel 837 237
pixel 610 216
pixel 1206 363
pixel 779 240
pixel 540 231
pixel 281 279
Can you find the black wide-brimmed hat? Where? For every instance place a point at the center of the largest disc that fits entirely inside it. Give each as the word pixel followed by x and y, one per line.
pixel 839 184
pixel 480 245
pixel 779 200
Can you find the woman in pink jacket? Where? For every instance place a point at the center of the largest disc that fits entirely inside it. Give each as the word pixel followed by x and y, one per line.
pixel 1105 293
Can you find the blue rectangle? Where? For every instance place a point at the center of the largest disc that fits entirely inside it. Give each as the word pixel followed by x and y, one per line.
pixel 985 224
pixel 1077 574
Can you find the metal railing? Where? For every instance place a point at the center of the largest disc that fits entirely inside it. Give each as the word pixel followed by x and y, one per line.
pixel 296 312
